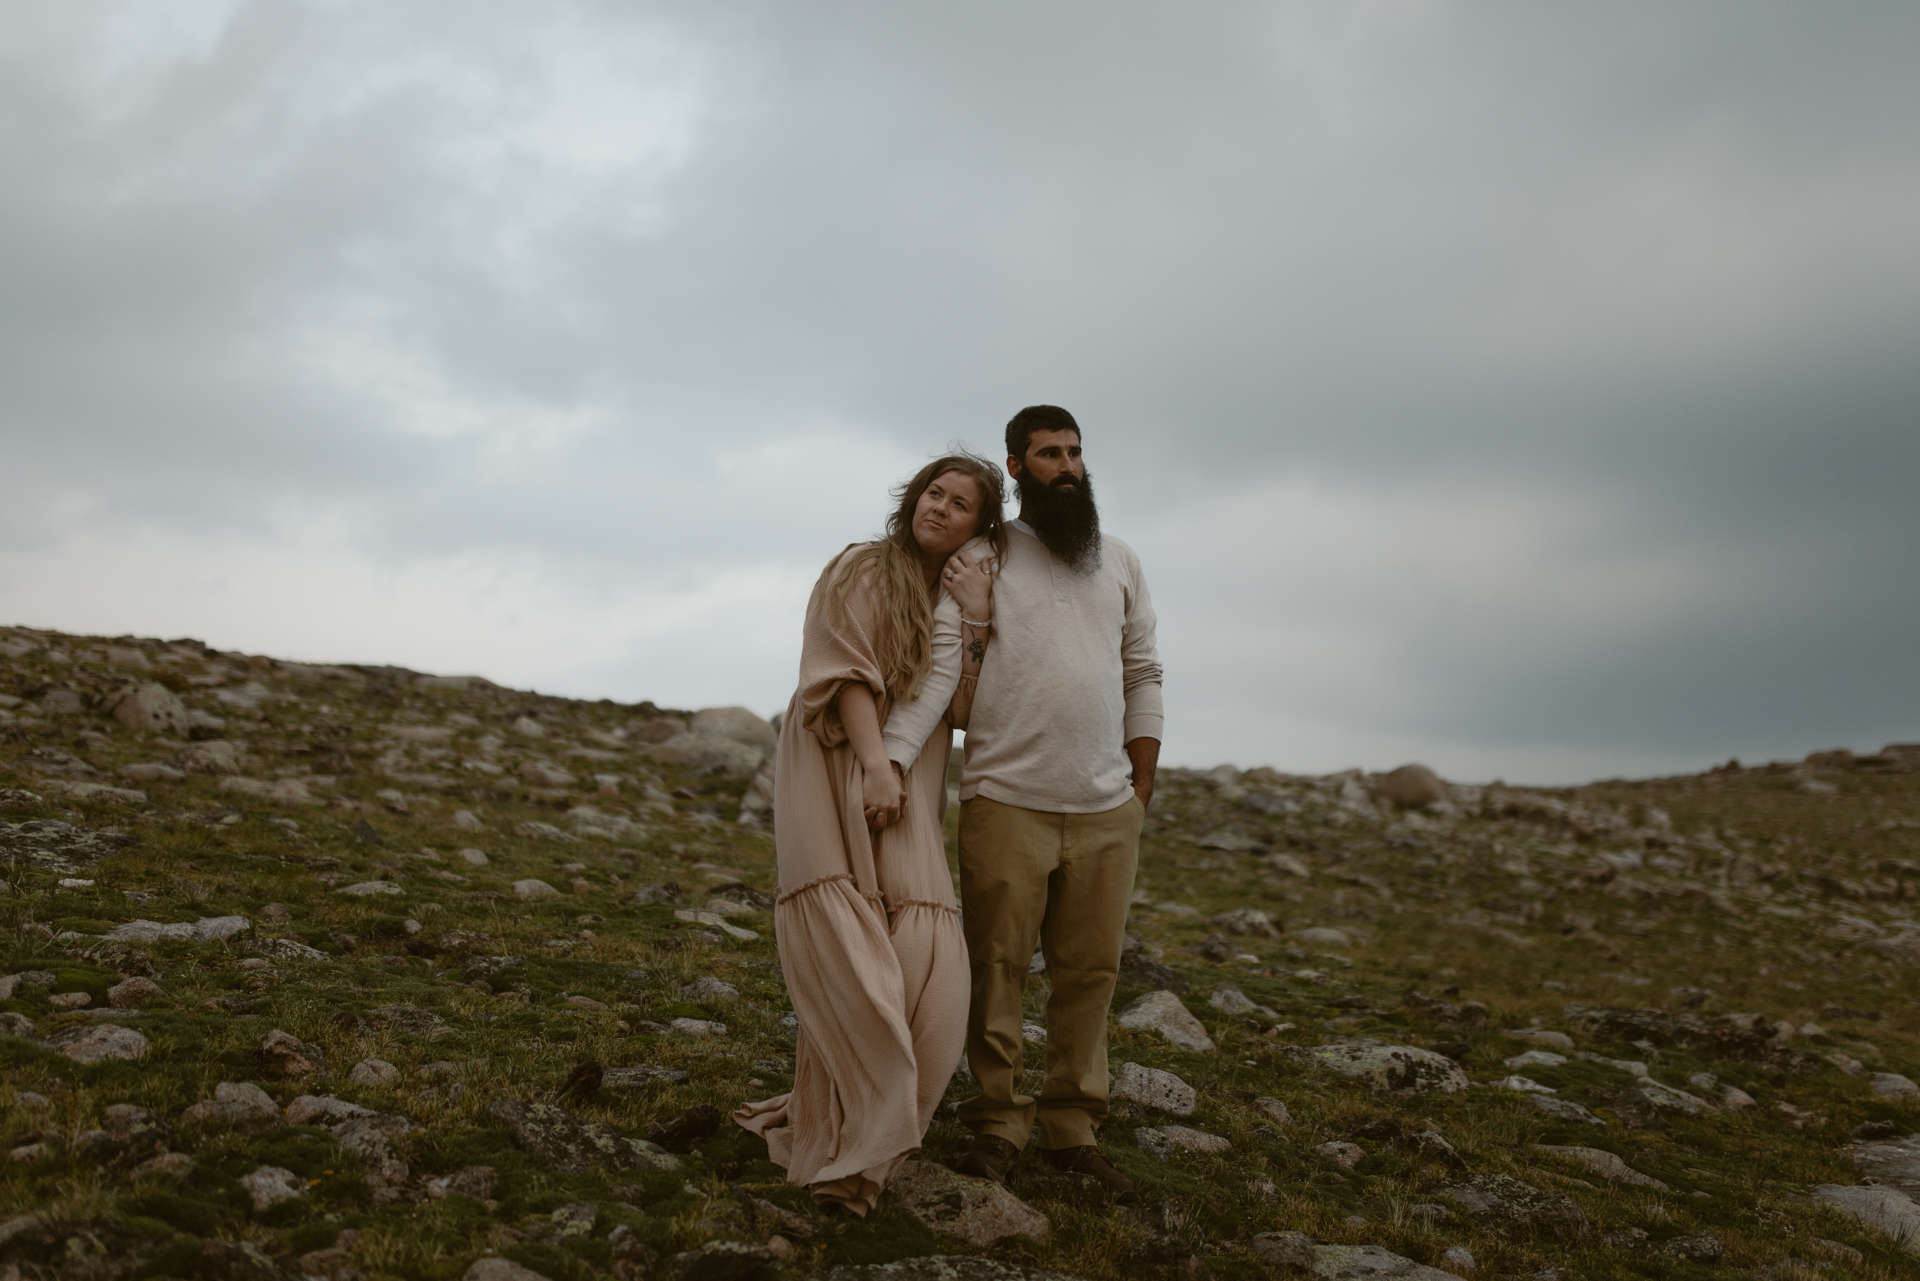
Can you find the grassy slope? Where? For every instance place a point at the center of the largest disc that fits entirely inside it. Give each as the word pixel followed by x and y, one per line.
pixel 1512 911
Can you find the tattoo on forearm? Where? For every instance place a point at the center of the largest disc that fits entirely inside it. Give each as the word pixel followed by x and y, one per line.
pixel 976 644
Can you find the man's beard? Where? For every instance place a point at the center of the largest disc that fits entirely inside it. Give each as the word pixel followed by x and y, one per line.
pixel 1065 518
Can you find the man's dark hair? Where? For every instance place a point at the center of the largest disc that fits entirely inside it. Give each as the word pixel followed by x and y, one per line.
pixel 1033 418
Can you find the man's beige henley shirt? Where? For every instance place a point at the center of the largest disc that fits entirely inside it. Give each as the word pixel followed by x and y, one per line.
pixel 1072 676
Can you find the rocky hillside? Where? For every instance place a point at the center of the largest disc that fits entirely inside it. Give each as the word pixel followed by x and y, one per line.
pixel 351 972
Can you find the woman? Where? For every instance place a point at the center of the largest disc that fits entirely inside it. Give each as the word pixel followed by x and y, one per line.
pixel 868 927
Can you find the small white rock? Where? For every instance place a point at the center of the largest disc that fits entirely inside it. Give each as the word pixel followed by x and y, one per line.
pixel 533 887
pixel 474 857
pixel 270 1185
pixel 1154 1088
pixel 1524 1085
pixel 373 1072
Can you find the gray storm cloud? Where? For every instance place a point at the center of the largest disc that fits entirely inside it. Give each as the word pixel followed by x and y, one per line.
pixel 1525 390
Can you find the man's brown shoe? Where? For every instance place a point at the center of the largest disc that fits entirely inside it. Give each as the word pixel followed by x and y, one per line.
pixel 991 1157
pixel 1089 1161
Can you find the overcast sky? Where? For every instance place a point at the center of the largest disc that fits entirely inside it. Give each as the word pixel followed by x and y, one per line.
pixel 1528 390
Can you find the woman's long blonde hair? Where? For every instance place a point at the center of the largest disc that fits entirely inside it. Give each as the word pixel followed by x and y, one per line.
pixel 892 565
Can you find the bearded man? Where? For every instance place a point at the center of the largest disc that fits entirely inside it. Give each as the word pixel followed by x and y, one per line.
pixel 1060 754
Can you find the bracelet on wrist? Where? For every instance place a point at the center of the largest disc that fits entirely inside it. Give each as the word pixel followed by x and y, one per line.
pixel 968 622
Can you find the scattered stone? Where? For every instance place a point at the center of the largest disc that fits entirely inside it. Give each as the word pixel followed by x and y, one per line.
pixel 238 1105
pixel 945 1267
pixel 12 1024
pixel 370 889
pixel 1161 1012
pixel 97 1044
pixel 1397 1069
pixel 151 772
pixel 1697 1247
pixel 633 1077
pixel 474 1181
pixel 208 929
pixel 1833 1252
pixel 270 1185
pixel 708 990
pixel 1215 948
pixel 1284 1249
pixel 495 1268
pixel 1368 1262
pixel 1604 1164
pixel 167 1164
pixel 1247 920
pixel 1458 1260
pixel 698 1027
pixel 721 1261
pixel 1887 1159
pixel 1884 1210
pixel 1411 787
pixel 292 950
pixel 1536 1058
pixel 1894 1087
pixel 69 1000
pixel 683 1131
pixel 136 993
pixel 533 888
pixel 283 1055
pixel 1154 1088
pixel 1523 1085
pixel 975 1210
pixel 1344 1155
pixel 1163 1141
pixel 373 1072
pixel 569 1146
pixel 410 1019
pixel 1274 1109
pixel 1541 1036
pixel 1505 1205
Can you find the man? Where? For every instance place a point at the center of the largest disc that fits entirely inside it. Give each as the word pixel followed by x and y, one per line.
pixel 1060 755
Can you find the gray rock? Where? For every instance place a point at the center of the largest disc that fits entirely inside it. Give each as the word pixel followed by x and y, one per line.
pixel 324 1110
pixel 373 1072
pixel 238 1105
pixel 1542 1036
pixel 1323 936
pixel 280 791
pixel 473 1181
pixel 1505 1205
pixel 721 1261
pixel 975 1210
pixel 270 1185
pixel 943 1267
pixel 1893 1086
pixel 1396 1069
pixel 1162 1013
pixel 1284 1249
pixel 1565 1110
pixel 1411 787
pixel 281 1054
pixel 12 1024
pixel 151 707
pixel 499 1269
pixel 1342 1262
pixel 708 752
pixel 135 993
pixel 1894 1162
pixel 707 990
pixel 1885 1210
pixel 1604 1164
pixel 1154 1088
pixel 1163 1141
pixel 1248 920
pixel 630 1078
pixel 151 772
pixel 569 1146
pixel 1696 1247
pixel 737 724
pixel 292 950
pixel 370 889
pixel 1344 1155
pixel 98 1043
pixel 1274 1109
pixel 533 888
pixel 1229 999
pixel 1458 1260
pixel 207 929
pixel 409 1018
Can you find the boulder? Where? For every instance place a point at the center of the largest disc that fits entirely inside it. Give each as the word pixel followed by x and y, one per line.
pixel 151 707
pixel 208 929
pixel 278 791
pixel 1284 1249
pixel 975 1210
pixel 707 752
pixel 373 1072
pixel 1396 1069
pixel 151 772
pixel 499 1269
pixel 1153 1088
pixel 533 887
pixel 1162 1013
pixel 1323 936
pixel 1894 1087
pixel 1411 787
pixel 97 1044
pixel 942 1267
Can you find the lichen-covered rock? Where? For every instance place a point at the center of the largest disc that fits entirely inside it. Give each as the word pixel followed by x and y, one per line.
pixel 97 1044
pixel 942 1267
pixel 285 1056
pixel 1284 1249
pixel 1248 920
pixel 207 929
pixel 499 1269
pixel 1153 1088
pixel 1396 1069
pixel 1503 1204
pixel 1161 1012
pixel 974 1210
pixel 1164 1140
pixel 136 993
pixel 239 1105
pixel 1604 1164
pixel 270 1185
pixel 1885 1210
pixel 570 1146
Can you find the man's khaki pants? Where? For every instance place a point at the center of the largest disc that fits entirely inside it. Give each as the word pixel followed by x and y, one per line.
pixel 1064 880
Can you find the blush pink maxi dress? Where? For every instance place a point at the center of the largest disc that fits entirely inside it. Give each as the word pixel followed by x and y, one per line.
pixel 867 924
